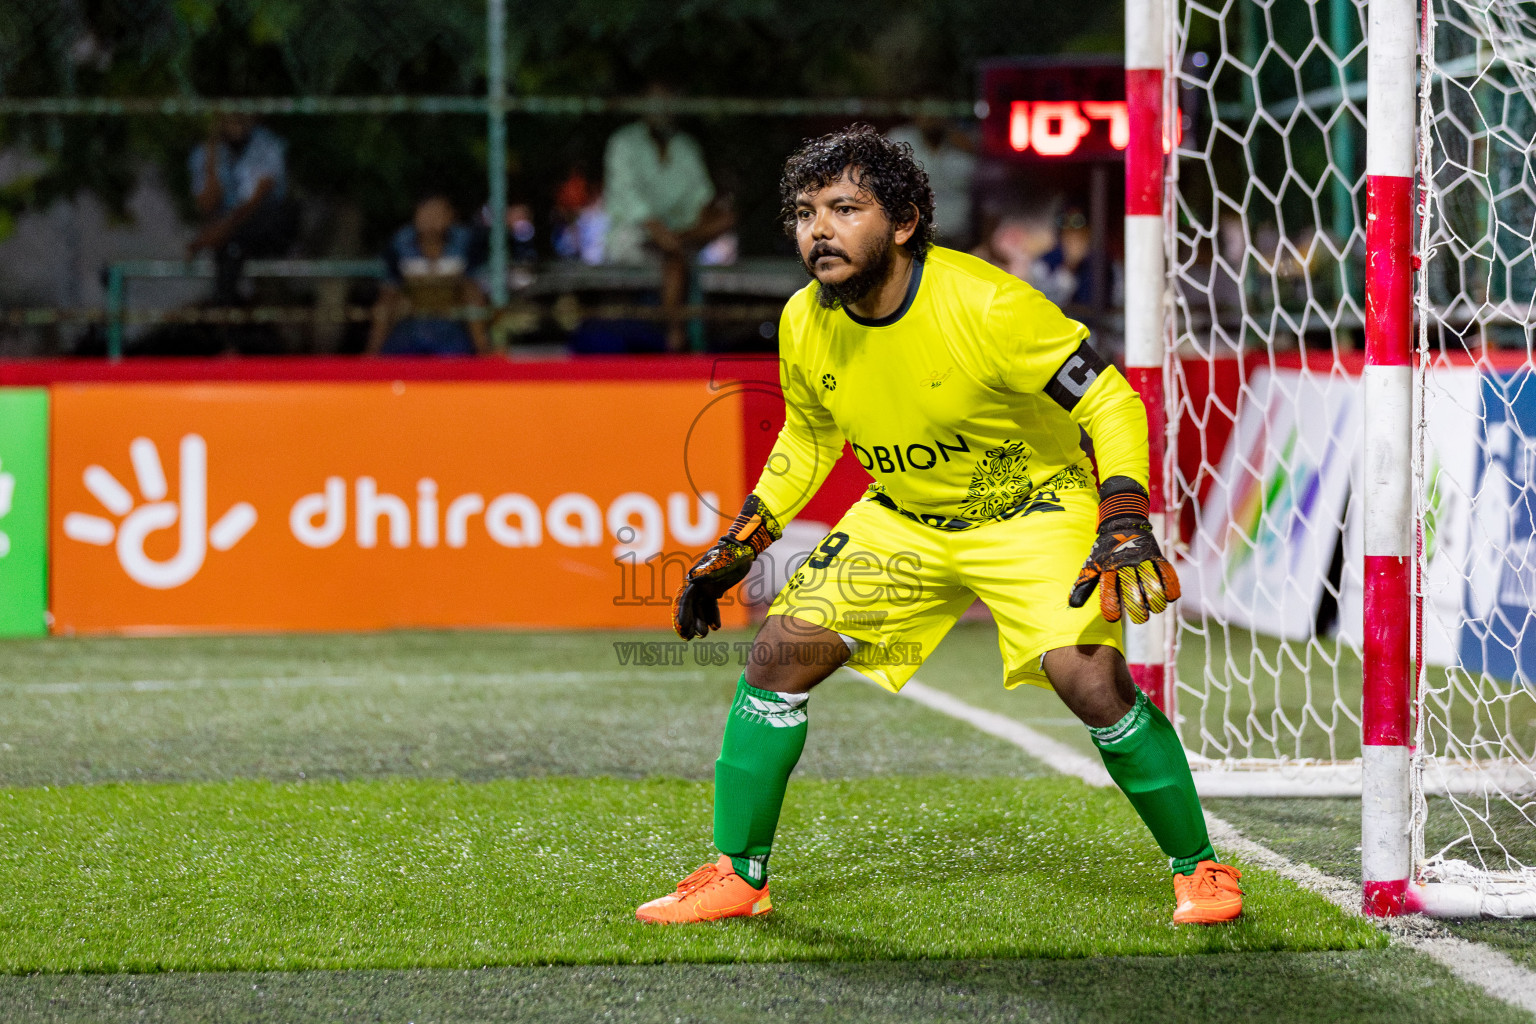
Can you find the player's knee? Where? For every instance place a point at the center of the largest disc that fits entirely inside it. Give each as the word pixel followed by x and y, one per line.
pixel 1093 682
pixel 790 656
pixel 790 666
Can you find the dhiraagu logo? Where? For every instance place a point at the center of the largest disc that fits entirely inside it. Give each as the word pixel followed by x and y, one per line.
pixel 134 518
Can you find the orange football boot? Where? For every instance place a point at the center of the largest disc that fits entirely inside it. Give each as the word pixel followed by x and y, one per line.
pixel 1209 896
pixel 710 893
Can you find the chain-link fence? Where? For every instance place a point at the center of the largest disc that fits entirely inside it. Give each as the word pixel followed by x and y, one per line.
pixel 105 104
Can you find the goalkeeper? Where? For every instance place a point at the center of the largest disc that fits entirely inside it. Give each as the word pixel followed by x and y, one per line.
pixel 961 390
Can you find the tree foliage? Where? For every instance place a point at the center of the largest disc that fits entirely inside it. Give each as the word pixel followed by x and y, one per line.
pixel 115 48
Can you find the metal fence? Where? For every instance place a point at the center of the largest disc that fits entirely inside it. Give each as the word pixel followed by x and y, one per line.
pixel 395 35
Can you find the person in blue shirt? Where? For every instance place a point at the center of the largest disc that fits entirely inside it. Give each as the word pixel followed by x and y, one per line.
pixel 1063 272
pixel 240 185
pixel 430 264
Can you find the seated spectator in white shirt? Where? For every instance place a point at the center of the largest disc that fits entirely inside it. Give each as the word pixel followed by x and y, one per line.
pixel 660 203
pixel 949 157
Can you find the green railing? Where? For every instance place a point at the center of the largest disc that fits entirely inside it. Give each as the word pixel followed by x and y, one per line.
pixel 120 273
pixel 495 105
pixel 761 278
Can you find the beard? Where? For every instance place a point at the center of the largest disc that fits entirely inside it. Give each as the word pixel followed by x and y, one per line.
pixel 877 260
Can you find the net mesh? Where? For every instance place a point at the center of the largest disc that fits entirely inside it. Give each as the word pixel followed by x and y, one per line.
pixel 1266 251
pixel 1265 256
pixel 1475 471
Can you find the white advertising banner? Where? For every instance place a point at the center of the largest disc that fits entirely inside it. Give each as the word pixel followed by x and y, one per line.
pixel 1269 525
pixel 1272 519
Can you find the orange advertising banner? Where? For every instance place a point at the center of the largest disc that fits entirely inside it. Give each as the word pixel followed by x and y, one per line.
pixel 569 504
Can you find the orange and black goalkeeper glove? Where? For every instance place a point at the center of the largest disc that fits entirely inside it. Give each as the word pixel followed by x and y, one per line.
pixel 1126 564
pixel 696 609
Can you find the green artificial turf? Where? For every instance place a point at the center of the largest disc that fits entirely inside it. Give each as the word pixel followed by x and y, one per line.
pixel 429 873
pixel 1246 680
pixel 1387 986
pixel 1326 834
pixel 1243 695
pixel 465 705
pixel 429 831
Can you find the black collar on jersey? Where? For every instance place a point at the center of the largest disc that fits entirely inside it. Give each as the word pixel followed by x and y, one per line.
pixel 901 310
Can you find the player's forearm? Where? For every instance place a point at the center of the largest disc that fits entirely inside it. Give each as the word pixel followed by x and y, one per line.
pixel 794 472
pixel 211 195
pixel 1112 415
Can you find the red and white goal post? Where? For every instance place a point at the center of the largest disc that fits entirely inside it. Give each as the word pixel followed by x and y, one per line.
pixel 1329 290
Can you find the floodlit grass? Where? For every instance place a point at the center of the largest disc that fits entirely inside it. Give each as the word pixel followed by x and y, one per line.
pixel 1260 707
pixel 480 705
pixel 1326 834
pixel 1247 695
pixel 429 832
pixel 1323 833
pixel 1243 694
pixel 257 875
pixel 1387 986
pixel 464 705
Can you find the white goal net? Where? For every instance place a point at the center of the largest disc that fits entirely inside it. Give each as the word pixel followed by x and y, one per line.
pixel 1475 463
pixel 1266 247
pixel 1266 267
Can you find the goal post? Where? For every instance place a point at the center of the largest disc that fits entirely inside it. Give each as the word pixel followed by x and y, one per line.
pixel 1336 356
pixel 1146 47
pixel 1387 522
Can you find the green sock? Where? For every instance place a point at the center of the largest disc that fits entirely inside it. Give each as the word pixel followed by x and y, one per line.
pixel 764 736
pixel 1145 758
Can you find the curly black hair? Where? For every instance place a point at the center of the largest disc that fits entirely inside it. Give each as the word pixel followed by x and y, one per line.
pixel 887 169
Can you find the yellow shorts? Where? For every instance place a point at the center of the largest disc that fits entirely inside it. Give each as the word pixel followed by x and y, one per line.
pixel 897 586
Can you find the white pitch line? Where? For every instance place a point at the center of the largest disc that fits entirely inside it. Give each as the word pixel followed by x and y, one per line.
pixel 1488 969
pixel 1058 756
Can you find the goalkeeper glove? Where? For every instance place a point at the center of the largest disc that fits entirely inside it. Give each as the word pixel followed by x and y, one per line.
pixel 696 609
pixel 1125 564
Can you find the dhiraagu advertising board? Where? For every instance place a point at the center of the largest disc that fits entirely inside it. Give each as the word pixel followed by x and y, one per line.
pixel 374 505
pixel 23 511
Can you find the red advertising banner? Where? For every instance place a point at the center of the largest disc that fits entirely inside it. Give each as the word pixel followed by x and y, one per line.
pixel 328 506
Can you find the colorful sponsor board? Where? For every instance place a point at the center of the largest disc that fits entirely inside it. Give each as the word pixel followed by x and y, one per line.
pixel 1271 520
pixel 23 511
pixel 1451 403
pixel 553 504
pixel 1500 597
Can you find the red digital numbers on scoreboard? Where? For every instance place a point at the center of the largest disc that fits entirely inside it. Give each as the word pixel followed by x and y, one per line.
pixel 1058 128
pixel 1056 109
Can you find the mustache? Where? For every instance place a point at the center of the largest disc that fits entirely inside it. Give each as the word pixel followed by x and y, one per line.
pixel 819 250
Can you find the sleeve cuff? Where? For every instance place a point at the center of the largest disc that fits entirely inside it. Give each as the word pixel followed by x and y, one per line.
pixel 1120 497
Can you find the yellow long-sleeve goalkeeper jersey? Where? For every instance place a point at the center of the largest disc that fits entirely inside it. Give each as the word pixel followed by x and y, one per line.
pixel 964 404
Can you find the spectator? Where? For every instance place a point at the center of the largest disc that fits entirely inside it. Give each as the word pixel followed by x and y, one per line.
pixel 659 199
pixel 521 233
pixel 1017 242
pixel 949 157
pixel 573 198
pixel 430 263
pixel 1062 273
pixel 240 183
